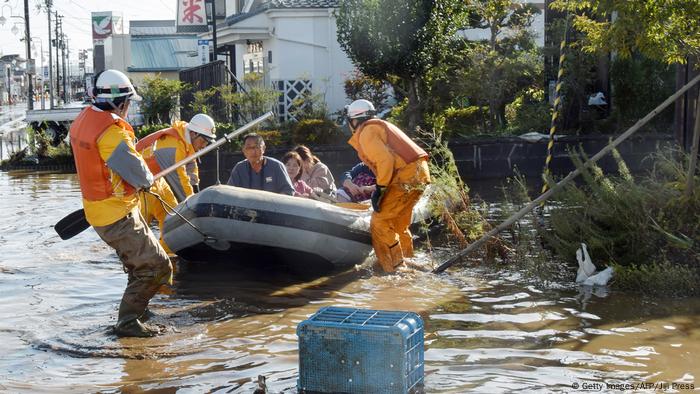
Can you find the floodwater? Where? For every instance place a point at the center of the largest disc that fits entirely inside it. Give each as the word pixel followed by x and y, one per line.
pixel 486 330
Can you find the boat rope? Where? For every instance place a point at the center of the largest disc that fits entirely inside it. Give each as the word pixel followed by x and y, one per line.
pixel 171 212
pixel 557 108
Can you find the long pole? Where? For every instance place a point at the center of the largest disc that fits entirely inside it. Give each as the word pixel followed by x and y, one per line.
pixel 536 202
pixel 48 14
pixel 27 39
pixel 213 26
pixel 58 68
pixel 694 150
pixel 63 61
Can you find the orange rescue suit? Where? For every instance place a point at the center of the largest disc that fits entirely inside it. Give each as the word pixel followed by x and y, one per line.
pixel 401 166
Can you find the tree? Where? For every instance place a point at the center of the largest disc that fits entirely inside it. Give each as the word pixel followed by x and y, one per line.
pixel 505 63
pixel 397 41
pixel 666 30
pixel 160 98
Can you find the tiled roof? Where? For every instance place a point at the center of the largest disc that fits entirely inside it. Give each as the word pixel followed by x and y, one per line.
pixel 281 4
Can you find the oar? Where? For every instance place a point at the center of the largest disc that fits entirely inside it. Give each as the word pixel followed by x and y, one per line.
pixel 75 223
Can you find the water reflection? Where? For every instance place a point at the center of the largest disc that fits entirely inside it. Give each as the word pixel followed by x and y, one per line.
pixel 486 330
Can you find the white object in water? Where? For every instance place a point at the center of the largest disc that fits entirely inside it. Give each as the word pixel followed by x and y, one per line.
pixel 586 274
pixel 585 265
pixel 600 279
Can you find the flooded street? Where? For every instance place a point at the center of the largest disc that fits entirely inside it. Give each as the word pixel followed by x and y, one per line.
pixel 486 331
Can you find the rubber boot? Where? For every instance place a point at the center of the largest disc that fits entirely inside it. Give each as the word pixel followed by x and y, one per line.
pixel 133 328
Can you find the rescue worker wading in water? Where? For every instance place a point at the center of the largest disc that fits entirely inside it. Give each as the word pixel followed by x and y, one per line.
pixel 111 172
pixel 402 173
pixel 164 148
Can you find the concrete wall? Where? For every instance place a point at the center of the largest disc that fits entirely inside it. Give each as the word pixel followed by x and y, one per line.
pixel 118 52
pixel 484 159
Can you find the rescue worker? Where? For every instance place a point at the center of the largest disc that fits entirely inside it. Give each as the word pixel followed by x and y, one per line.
pixel 164 148
pixel 111 172
pixel 401 168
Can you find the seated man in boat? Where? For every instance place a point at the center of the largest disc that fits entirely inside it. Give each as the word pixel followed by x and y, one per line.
pixel 164 148
pixel 258 171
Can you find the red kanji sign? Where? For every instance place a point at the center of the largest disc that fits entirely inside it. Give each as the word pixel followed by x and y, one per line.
pixel 191 13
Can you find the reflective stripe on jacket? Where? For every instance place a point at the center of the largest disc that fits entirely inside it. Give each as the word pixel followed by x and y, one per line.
pixel 109 168
pixel 386 150
pixel 167 147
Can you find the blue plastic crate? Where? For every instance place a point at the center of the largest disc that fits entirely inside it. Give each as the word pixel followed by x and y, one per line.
pixel 348 350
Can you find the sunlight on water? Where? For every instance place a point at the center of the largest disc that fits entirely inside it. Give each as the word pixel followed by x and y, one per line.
pixel 486 330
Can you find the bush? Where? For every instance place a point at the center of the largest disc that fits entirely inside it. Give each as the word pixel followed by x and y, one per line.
pixel 529 112
pixel 465 121
pixel 149 129
pixel 317 131
pixel 160 98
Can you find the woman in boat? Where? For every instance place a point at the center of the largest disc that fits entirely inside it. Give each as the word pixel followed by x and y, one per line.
pixel 314 172
pixel 292 161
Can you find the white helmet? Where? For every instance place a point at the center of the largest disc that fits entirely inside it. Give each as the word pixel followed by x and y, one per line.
pixel 112 84
pixel 203 124
pixel 360 109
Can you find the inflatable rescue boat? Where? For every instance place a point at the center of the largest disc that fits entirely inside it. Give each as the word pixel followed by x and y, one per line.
pixel 243 225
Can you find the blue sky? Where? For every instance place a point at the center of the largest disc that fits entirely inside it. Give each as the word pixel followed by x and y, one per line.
pixel 76 20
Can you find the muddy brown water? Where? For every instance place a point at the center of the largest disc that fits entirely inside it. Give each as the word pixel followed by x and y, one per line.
pixel 486 330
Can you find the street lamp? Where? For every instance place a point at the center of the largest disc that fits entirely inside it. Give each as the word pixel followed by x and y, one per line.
pixel 2 14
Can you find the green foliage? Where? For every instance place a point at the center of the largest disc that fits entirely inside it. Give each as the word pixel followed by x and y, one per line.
pixel 666 30
pixel 491 72
pixel 529 112
pixel 257 99
pixel 398 114
pixel 640 84
pixel 160 98
pixel 149 129
pixel 398 41
pixel 359 86
pixel 636 225
pixel 466 121
pixel 317 131
pixel 201 99
pixel 663 279
pixel 309 106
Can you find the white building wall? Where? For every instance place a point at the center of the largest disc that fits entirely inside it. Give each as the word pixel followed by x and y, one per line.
pixel 305 48
pixel 118 52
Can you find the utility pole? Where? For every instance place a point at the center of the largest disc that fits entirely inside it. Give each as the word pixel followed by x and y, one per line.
pixel 68 90
pixel 213 25
pixel 63 61
pixel 28 44
pixel 58 68
pixel 48 14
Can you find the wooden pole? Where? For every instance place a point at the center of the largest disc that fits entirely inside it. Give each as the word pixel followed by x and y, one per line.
pixel 693 151
pixel 534 203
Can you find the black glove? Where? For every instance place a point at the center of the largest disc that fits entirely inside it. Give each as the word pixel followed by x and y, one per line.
pixel 377 196
pixel 195 188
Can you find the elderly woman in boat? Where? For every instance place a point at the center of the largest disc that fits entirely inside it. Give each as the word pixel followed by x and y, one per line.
pixel 258 171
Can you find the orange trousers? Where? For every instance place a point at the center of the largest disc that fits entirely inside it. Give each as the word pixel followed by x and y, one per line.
pixel 151 208
pixel 391 238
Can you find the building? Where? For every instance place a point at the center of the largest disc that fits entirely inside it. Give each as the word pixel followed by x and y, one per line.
pixel 293 44
pixel 156 48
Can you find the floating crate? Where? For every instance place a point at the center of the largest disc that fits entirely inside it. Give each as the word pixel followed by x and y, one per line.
pixel 348 350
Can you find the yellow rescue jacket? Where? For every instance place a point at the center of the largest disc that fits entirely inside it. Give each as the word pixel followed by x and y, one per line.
pixel 95 135
pixel 167 147
pixel 387 151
